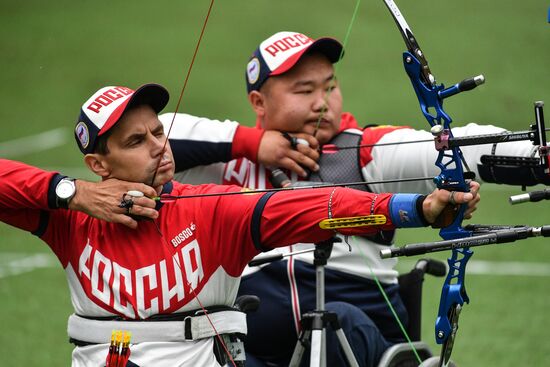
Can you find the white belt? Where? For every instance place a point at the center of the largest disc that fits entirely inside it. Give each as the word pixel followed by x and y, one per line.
pixel 191 328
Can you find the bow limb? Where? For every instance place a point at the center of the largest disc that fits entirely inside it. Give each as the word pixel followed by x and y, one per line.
pixel 430 97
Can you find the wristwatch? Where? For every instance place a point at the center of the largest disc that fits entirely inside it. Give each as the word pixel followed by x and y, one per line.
pixel 64 192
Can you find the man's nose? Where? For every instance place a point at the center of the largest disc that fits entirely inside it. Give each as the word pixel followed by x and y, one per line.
pixel 158 145
pixel 320 103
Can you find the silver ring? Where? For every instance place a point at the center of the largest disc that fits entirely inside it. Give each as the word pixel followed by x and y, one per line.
pixel 452 198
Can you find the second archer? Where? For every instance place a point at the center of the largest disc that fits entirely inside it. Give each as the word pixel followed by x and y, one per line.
pixel 292 88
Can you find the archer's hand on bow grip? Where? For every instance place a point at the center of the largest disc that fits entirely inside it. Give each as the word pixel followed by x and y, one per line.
pixel 441 206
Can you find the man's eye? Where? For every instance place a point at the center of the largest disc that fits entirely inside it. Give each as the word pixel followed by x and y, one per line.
pixel 134 142
pixel 331 87
pixel 304 91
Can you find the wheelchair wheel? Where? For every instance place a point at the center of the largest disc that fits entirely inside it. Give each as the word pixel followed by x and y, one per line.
pixel 434 362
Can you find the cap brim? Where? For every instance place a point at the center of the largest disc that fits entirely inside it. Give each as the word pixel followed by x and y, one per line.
pixel 329 47
pixel 154 95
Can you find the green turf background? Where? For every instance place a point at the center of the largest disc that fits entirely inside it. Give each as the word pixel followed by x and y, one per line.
pixel 54 54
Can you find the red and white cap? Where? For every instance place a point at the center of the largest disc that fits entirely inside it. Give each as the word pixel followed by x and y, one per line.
pixel 280 52
pixel 102 110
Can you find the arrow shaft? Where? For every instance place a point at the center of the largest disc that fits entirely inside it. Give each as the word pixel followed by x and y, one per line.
pixel 169 198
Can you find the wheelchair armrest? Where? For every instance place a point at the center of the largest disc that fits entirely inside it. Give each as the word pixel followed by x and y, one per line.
pixel 431 266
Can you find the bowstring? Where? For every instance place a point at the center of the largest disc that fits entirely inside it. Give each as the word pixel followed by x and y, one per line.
pixel 176 259
pixel 185 83
pixel 377 281
pixel 336 66
pixel 174 255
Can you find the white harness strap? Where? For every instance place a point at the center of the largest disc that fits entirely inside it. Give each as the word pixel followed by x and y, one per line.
pixel 191 328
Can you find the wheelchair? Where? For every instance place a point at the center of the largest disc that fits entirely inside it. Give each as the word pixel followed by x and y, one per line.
pixel 410 289
pixel 402 354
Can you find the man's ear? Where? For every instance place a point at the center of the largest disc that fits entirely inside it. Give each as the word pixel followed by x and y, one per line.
pixel 97 164
pixel 257 101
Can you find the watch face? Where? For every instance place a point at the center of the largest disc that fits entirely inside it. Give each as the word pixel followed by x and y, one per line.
pixel 65 189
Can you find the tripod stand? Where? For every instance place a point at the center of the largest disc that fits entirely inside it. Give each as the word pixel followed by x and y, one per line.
pixel 314 323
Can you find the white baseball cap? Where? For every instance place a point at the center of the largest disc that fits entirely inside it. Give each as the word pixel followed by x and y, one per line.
pixel 102 110
pixel 280 52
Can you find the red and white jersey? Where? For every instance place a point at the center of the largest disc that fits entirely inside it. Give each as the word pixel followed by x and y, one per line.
pixel 199 141
pixel 196 249
pixel 376 164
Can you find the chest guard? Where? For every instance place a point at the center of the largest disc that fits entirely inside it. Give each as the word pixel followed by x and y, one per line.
pixel 345 166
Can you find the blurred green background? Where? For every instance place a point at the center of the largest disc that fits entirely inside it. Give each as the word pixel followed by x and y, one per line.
pixel 54 55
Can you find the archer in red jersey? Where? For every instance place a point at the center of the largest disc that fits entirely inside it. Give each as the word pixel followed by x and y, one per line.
pixel 190 255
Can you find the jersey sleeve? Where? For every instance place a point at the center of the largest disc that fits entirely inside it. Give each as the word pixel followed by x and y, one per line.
pixel 252 223
pixel 26 194
pixel 246 143
pixel 295 217
pixel 387 162
pixel 199 141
